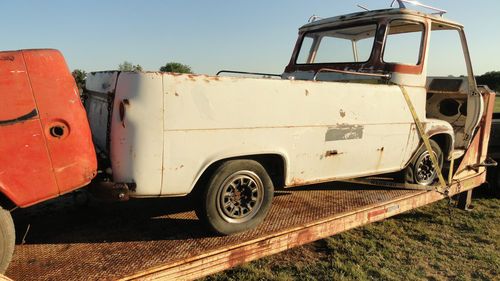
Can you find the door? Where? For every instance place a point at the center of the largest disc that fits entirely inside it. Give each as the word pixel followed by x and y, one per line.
pixel 25 167
pixel 63 119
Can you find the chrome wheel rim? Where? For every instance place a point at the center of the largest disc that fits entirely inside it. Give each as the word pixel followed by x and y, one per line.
pixel 240 197
pixel 425 172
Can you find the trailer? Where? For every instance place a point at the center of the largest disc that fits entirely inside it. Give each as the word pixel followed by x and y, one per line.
pixel 412 137
pixel 163 240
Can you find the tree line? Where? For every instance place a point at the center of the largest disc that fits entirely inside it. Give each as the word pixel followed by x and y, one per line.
pixel 80 75
pixel 490 79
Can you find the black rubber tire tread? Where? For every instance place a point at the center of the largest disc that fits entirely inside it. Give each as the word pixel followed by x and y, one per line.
pixel 409 175
pixel 7 239
pixel 206 209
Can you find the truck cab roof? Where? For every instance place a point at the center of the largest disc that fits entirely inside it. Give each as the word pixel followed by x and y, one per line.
pixel 370 15
pixel 323 46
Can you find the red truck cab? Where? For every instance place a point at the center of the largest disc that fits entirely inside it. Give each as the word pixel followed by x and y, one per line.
pixel 46 145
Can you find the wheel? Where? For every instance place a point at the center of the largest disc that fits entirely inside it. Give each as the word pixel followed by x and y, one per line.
pixel 7 239
pixel 421 170
pixel 236 198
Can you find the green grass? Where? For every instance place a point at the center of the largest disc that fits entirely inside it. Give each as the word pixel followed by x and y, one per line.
pixel 436 242
pixel 497 104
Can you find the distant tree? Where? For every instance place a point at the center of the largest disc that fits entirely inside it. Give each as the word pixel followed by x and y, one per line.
pixel 80 76
pixel 492 79
pixel 128 66
pixel 176 67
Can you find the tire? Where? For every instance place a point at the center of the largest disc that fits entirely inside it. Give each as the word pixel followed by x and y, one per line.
pixel 421 170
pixel 236 198
pixel 7 239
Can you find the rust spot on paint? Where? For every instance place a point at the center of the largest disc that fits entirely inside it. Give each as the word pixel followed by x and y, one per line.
pixel 330 153
pixel 379 160
pixel 194 76
pixel 307 92
pixel 178 168
pixel 9 58
pixel 305 236
pixel 237 256
pixel 176 94
pixel 342 113
pixel 297 181
pixel 376 213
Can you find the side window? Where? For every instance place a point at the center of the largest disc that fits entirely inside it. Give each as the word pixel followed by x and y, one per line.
pixel 403 44
pixel 445 44
pixel 364 48
pixel 305 49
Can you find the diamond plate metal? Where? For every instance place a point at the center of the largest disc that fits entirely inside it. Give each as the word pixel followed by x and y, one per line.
pixel 111 241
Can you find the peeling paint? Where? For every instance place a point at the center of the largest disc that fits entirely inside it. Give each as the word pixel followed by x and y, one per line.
pixel 297 181
pixel 344 132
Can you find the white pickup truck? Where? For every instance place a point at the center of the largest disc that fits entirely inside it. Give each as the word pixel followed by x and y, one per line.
pixel 337 112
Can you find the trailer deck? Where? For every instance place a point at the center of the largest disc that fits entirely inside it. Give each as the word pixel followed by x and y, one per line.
pixel 163 238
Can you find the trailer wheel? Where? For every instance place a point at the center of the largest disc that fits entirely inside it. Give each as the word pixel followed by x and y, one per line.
pixel 421 170
pixel 236 198
pixel 7 239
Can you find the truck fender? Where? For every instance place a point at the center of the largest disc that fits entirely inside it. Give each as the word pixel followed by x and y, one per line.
pixel 435 128
pixel 213 162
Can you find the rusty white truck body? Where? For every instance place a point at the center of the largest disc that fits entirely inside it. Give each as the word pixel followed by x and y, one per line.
pixel 175 126
pixel 322 121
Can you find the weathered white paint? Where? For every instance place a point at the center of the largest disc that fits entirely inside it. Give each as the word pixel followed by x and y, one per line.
pixel 100 88
pixel 175 126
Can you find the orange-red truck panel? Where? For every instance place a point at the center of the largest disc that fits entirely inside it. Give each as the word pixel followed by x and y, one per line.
pixel 46 146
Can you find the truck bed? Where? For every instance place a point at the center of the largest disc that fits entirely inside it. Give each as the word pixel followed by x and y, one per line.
pixel 163 239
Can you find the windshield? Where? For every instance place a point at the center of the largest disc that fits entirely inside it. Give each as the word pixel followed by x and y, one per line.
pixel 342 45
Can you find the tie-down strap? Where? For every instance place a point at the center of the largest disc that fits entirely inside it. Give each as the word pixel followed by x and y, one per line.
pixel 443 187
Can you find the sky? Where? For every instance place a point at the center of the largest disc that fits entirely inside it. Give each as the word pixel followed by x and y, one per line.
pixel 257 35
